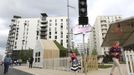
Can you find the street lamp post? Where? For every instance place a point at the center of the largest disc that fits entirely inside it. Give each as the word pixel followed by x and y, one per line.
pixel 68 23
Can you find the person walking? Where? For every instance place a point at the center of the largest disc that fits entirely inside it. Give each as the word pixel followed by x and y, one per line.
pixel 115 52
pixel 31 62
pixel 7 61
pixel 75 64
pixel 19 62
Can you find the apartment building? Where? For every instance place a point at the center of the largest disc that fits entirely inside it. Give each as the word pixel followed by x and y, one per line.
pixel 99 32
pixel 25 31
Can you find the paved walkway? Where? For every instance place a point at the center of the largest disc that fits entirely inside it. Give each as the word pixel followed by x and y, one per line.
pixel 12 71
pixel 37 71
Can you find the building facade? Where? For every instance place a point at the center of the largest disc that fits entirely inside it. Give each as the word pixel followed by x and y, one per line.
pixel 99 32
pixel 25 32
pixel 81 48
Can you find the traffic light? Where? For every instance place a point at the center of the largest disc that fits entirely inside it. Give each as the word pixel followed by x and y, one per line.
pixel 82 8
pixel 83 19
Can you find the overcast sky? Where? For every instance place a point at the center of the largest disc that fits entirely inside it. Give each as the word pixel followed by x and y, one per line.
pixel 33 8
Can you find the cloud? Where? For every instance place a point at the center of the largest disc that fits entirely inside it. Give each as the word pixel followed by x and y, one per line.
pixel 33 8
pixel 110 7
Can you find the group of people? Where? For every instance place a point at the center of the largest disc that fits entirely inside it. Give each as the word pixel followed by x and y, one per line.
pixel 8 61
pixel 114 52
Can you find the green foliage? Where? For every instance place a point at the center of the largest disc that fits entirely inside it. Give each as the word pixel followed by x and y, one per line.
pixel 63 51
pixel 25 54
pixel 76 51
pixel 104 66
pixel 94 52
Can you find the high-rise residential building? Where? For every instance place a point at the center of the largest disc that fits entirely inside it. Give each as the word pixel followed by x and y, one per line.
pixel 91 43
pixel 99 32
pixel 25 31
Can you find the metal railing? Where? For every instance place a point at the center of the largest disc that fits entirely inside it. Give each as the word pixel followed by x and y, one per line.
pixel 129 56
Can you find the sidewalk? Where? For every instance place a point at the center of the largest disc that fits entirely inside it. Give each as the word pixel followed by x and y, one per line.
pixel 37 71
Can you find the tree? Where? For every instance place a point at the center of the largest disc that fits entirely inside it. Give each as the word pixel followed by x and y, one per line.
pixel 25 54
pixel 76 51
pixel 63 51
pixel 94 52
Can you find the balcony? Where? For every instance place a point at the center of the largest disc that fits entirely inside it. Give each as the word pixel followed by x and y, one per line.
pixel 43 30
pixel 13 20
pixel 15 16
pixel 43 34
pixel 44 26
pixel 44 22
pixel 43 37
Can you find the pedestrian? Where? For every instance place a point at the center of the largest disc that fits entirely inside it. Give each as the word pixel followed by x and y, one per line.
pixel 19 61
pixel 31 62
pixel 75 64
pixel 7 61
pixel 115 52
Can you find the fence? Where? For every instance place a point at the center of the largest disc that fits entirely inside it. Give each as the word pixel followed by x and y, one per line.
pixel 59 63
pixel 64 63
pixel 129 55
pixel 92 63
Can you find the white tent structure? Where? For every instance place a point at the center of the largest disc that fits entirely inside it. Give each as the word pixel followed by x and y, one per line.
pixel 44 49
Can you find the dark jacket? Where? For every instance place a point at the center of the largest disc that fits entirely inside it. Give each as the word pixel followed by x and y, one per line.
pixel 7 60
pixel 115 50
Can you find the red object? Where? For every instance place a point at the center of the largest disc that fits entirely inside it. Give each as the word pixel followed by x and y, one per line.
pixel 73 56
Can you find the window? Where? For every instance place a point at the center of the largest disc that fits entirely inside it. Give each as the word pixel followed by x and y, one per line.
pixel 49 33
pixel 61 20
pixel 37 32
pixel 39 54
pixel 55 29
pixel 61 35
pixel 103 21
pixel 61 42
pixel 103 25
pixel 66 20
pixel 37 38
pixel 49 36
pixel 49 29
pixel 55 24
pixel 103 34
pixel 67 41
pixel 15 47
pixel 36 54
pixel 61 26
pixel 56 32
pixel 55 37
pixel 50 20
pixel 38 21
pixel 55 20
pixel 50 24
pixel 37 57
pixel 66 36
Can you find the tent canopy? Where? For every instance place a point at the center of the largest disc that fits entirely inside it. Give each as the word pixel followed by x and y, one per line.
pixel 122 31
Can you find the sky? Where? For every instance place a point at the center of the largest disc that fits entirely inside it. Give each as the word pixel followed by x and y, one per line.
pixel 33 8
